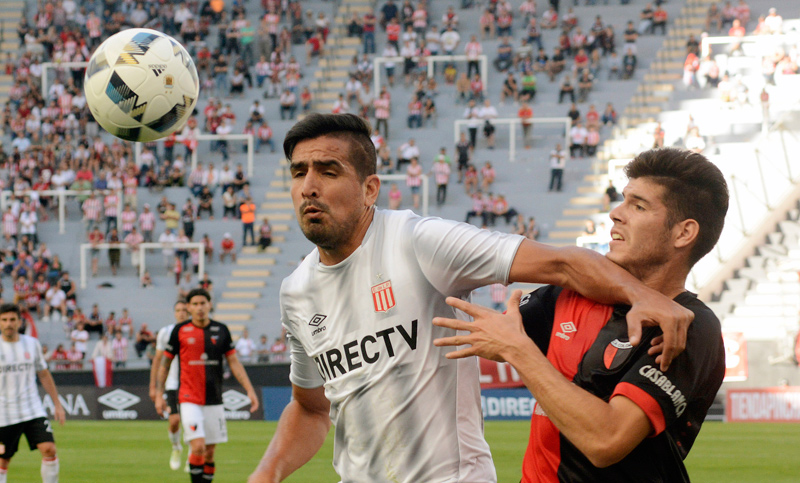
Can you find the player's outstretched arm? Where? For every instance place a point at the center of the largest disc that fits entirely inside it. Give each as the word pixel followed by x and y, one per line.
pixel 237 369
pixel 594 276
pixel 49 385
pixel 301 431
pixel 605 432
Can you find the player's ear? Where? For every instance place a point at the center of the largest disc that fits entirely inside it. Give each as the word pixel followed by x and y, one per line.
pixel 372 187
pixel 685 233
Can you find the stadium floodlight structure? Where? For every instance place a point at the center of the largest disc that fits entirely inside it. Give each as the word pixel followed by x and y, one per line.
pixel 512 123
pixel 143 247
pixel 431 60
pixel 424 189
pixel 248 138
pixel 46 66
pixel 62 196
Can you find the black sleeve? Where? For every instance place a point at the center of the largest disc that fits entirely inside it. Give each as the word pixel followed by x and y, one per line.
pixel 538 312
pixel 173 345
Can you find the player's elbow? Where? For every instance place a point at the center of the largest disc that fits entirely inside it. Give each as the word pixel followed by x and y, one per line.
pixel 607 451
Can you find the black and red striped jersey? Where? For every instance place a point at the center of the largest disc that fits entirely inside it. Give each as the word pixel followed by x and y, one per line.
pixel 588 343
pixel 200 352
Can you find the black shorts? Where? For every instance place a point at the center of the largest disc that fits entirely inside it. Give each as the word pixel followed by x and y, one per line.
pixel 171 395
pixel 36 431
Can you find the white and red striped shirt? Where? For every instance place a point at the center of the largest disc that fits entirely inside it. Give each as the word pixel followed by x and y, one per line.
pixel 119 349
pixel 65 103
pixel 111 201
pixel 9 223
pixel 131 184
pixel 441 172
pixel 264 133
pixel 91 209
pixel 414 176
pixel 498 292
pixel 473 50
pixel 128 219
pixel 93 26
pixel 147 221
pixel 381 108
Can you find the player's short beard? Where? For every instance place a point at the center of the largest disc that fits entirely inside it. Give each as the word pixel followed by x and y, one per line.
pixel 330 235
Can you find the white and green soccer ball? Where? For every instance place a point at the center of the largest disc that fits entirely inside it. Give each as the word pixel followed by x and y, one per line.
pixel 141 85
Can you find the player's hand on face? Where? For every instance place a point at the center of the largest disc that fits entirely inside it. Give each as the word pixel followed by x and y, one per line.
pixel 491 333
pixel 656 309
pixel 253 401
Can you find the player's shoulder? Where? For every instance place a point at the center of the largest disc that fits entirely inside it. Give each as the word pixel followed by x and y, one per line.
pixel 705 320
pixel 28 341
pixel 166 330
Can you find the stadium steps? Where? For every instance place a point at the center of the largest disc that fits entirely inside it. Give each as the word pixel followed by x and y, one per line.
pixel 10 12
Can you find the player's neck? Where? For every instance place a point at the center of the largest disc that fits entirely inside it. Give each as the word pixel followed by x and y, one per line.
pixel 669 280
pixel 201 323
pixel 14 338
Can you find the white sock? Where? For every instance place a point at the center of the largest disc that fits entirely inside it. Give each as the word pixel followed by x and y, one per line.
pixel 3 475
pixel 175 439
pixel 50 471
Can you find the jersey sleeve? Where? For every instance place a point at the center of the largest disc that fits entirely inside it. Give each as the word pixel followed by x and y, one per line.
pixel 303 371
pixel 457 258
pixel 162 339
pixel 695 374
pixel 228 346
pixel 172 347
pixel 39 363
pixel 538 310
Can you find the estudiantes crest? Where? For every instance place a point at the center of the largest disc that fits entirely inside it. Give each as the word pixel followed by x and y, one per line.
pixel 383 296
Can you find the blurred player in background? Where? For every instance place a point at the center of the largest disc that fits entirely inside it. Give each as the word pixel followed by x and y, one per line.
pixel 201 344
pixel 605 411
pixel 21 410
pixel 171 386
pixel 358 314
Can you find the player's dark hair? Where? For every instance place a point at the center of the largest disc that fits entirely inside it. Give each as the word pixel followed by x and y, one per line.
pixel 694 188
pixel 180 300
pixel 6 308
pixel 198 291
pixel 344 126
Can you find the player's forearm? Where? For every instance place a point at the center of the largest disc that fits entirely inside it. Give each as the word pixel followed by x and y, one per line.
pixel 594 426
pixel 49 386
pixel 238 371
pixel 163 371
pixel 154 369
pixel 584 271
pixel 298 437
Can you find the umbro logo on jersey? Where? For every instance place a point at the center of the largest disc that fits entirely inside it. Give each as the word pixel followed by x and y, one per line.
pixel 383 296
pixel 316 320
pixel 566 328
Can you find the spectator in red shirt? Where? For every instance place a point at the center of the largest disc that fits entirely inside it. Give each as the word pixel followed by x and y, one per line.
pixel 227 248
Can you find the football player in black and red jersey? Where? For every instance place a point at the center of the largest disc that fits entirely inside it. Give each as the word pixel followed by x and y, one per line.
pixel 201 344
pixel 606 411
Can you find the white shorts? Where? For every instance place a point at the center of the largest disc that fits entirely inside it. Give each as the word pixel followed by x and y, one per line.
pixel 204 422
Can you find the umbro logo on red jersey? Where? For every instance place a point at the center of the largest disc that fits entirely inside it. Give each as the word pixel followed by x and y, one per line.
pixel 566 328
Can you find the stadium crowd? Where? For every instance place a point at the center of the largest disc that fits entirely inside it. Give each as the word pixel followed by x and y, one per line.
pixel 53 142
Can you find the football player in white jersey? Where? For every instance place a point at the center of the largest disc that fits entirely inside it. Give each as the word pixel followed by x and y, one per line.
pixel 171 386
pixel 358 314
pixel 21 361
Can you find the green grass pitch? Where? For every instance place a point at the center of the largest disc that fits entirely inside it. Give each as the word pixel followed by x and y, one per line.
pixel 134 452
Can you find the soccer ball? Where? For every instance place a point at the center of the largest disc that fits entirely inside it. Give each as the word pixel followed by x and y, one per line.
pixel 141 85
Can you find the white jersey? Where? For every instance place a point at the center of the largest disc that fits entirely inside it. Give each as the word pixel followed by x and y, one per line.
pixel 362 328
pixel 19 396
pixel 162 339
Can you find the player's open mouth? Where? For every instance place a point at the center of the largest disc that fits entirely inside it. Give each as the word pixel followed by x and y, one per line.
pixel 616 236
